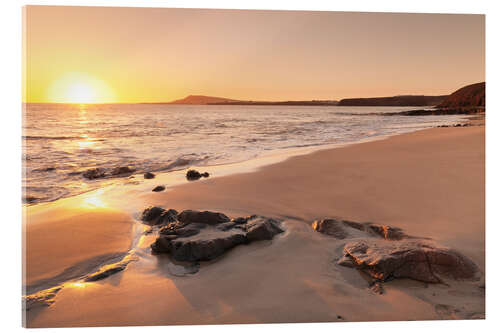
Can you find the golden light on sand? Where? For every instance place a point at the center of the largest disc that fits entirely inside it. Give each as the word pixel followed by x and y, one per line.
pixel 79 88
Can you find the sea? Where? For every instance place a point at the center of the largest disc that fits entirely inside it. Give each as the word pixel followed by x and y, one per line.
pixel 61 141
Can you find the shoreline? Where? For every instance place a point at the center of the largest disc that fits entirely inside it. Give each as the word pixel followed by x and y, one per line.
pixel 350 182
pixel 224 169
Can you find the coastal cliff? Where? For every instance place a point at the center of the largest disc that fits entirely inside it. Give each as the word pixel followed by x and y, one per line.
pixel 473 95
pixel 406 100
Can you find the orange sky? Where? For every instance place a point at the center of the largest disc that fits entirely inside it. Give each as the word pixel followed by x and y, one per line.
pixel 160 54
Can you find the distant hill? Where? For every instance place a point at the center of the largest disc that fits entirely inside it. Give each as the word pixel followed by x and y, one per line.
pixel 295 103
pixel 406 100
pixel 202 100
pixel 210 100
pixel 471 96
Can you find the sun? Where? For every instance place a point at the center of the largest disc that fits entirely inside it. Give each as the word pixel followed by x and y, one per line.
pixel 80 92
pixel 80 88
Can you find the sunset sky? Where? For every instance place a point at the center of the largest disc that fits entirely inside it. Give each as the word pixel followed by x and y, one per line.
pixel 103 55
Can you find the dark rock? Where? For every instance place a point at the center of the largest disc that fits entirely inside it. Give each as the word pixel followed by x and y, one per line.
pixel 330 227
pixel 149 175
pixel 206 247
pixel 242 220
pixel 387 232
pixel 211 218
pixel 171 228
pixel 180 229
pixel 193 175
pixel 159 188
pixel 414 259
pixel 225 226
pixel 355 225
pixel 152 214
pixel 118 171
pixel 340 229
pixel 169 216
pixel 198 236
pixel 94 173
pixel 260 228
pixel 377 288
pixel 29 199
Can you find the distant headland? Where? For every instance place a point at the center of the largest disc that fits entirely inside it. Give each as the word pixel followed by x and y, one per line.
pixel 471 96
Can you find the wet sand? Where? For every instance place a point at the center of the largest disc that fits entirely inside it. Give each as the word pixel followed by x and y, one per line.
pixel 430 183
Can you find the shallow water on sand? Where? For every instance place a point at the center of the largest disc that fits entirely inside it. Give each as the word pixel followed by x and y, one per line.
pixel 60 141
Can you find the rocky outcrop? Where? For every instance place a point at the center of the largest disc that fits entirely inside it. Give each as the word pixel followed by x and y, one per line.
pixel 413 259
pixel 206 217
pixel 94 173
pixel 385 253
pixel 342 229
pixel 330 227
pixel 260 228
pixel 471 96
pixel 470 99
pixel 200 236
pixel 404 100
pixel 121 171
pixel 435 112
pixel 154 215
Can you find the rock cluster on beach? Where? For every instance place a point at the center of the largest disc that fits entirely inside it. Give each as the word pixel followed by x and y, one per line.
pixel 385 253
pixel 198 236
pixel 156 215
pixel 341 229
pixel 456 125
pixel 195 175
pixel 96 173
pixel 414 259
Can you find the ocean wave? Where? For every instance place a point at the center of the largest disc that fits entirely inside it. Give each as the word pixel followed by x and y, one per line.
pixel 41 137
pixel 181 163
pixel 148 139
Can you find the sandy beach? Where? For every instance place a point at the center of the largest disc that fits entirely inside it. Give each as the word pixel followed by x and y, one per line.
pixel 430 183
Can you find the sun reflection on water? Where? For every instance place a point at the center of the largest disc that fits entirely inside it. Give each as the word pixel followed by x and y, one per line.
pixel 86 141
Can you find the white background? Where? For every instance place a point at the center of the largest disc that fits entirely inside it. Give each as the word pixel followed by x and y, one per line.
pixel 10 145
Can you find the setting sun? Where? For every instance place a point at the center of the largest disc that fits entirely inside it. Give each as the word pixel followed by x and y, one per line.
pixel 80 88
pixel 80 93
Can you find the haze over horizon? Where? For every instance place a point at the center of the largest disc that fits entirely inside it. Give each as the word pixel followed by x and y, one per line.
pixel 160 54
